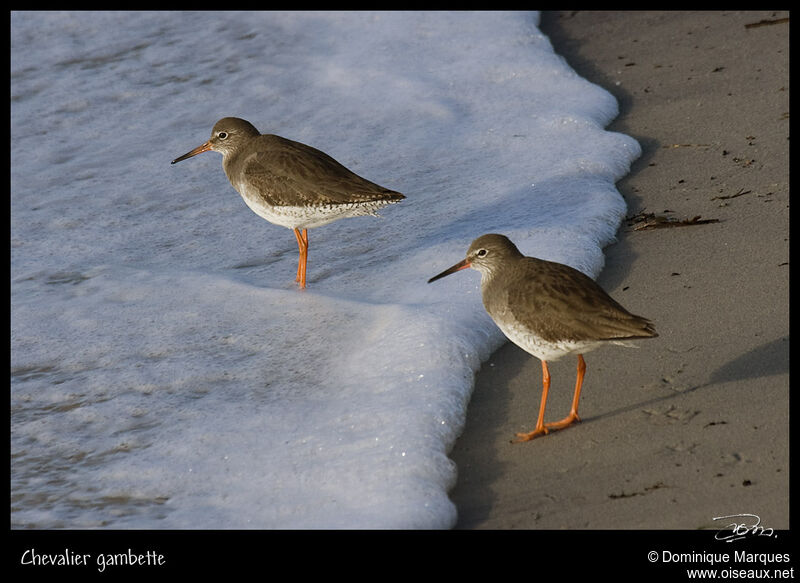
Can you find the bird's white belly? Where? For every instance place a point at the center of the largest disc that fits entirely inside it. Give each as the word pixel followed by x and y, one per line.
pixel 542 349
pixel 303 217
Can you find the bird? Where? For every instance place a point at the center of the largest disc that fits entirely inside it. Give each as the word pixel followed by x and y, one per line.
pixel 549 310
pixel 289 183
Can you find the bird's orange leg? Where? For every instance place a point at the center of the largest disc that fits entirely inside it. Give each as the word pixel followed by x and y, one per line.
pixel 573 413
pixel 541 428
pixel 302 245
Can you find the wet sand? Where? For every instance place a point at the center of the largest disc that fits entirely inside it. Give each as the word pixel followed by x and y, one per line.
pixel 693 424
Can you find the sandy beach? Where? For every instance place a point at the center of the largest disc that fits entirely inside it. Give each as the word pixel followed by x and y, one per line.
pixel 692 425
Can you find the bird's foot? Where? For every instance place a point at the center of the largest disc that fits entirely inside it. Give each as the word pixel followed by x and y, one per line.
pixel 565 422
pixel 533 434
pixel 547 428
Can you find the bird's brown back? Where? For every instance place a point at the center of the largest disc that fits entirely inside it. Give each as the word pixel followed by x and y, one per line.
pixel 289 173
pixel 559 302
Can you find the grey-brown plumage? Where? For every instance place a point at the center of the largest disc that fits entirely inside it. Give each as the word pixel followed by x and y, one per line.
pixel 289 183
pixel 548 309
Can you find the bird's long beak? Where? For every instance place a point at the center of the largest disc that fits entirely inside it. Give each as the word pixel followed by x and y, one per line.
pixel 198 150
pixel 457 267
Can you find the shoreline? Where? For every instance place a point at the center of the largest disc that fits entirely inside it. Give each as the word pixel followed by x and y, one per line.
pixel 693 424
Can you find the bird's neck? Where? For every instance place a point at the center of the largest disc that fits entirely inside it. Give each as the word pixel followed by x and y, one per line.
pixel 488 274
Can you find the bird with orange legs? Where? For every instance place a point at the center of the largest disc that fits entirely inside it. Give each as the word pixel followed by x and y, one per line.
pixel 549 310
pixel 291 184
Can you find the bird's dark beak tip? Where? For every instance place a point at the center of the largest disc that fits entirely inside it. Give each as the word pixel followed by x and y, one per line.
pixel 198 150
pixel 457 267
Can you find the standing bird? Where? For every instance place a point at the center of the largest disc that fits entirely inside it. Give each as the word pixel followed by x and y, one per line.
pixel 548 309
pixel 291 184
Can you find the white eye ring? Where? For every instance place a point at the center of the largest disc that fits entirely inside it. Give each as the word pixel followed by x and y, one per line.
pixel 222 135
pixel 482 253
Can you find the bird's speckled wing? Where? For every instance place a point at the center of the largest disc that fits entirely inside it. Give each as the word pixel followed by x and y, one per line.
pixel 288 173
pixel 561 303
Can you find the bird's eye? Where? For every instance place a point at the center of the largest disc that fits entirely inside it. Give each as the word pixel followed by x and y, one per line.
pixel 482 253
pixel 222 135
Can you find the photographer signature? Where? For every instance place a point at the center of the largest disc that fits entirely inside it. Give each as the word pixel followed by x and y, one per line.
pixel 739 530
